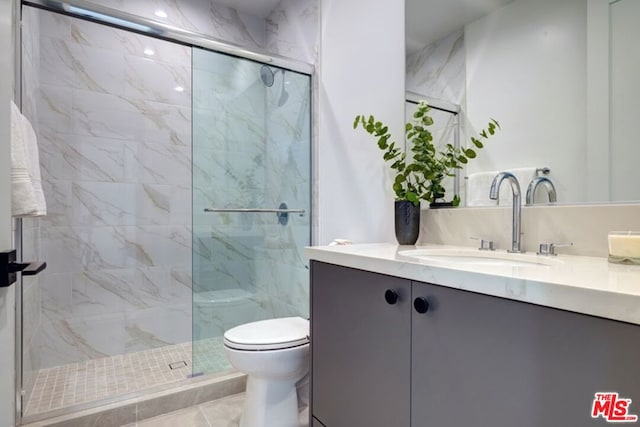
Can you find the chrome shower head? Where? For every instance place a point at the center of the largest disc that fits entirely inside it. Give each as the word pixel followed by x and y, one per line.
pixel 267 75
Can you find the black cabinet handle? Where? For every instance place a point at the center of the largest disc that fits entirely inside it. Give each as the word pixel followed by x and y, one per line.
pixel 421 305
pixel 391 296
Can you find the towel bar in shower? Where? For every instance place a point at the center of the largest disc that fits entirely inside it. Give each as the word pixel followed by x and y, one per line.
pixel 282 212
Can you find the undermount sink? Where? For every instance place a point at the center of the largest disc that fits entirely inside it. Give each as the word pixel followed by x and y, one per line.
pixel 474 257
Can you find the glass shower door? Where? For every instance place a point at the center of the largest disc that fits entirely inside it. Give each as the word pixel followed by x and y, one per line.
pixel 251 197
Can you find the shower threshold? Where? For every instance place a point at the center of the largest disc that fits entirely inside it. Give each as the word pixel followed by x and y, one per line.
pixel 76 386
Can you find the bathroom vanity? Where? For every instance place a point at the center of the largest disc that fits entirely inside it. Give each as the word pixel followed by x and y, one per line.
pixel 405 341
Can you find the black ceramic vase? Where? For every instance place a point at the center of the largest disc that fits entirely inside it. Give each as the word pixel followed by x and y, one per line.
pixel 407 218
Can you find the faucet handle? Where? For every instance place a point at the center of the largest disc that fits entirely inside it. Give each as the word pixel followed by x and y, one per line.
pixel 549 249
pixel 485 245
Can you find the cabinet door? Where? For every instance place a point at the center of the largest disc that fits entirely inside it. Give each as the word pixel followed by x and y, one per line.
pixel 489 362
pixel 360 346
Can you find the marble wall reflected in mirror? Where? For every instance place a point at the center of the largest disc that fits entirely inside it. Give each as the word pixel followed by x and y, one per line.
pixel 560 77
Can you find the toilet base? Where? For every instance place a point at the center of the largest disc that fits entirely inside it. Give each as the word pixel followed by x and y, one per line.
pixel 270 404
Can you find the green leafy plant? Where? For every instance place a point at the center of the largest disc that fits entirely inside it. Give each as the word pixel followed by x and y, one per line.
pixel 421 178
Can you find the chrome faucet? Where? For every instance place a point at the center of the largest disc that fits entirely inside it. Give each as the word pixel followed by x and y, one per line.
pixel 547 184
pixel 494 192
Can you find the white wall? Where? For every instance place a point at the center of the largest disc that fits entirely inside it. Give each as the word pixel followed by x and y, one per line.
pixel 625 86
pixel 598 120
pixel 531 53
pixel 7 295
pixel 362 56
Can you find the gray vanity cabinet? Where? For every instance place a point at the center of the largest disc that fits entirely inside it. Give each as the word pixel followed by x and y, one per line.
pixel 466 359
pixel 484 361
pixel 360 348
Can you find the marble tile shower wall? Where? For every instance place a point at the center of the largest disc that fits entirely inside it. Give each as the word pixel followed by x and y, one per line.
pixel 115 140
pixel 292 30
pixel 438 70
pixel 235 241
pixel 203 16
pixel 229 172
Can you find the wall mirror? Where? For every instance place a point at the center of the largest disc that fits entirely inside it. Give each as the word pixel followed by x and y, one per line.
pixel 559 75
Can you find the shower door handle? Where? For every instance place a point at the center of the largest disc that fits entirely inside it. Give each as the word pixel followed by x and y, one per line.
pixel 282 212
pixel 251 210
pixel 9 268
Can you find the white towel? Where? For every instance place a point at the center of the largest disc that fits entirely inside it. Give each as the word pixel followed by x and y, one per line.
pixel 524 175
pixel 27 197
pixel 479 184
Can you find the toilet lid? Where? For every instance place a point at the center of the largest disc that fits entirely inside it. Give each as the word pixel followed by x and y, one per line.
pixel 269 334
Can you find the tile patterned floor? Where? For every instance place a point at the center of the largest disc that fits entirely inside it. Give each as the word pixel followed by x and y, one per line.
pixel 95 380
pixel 218 413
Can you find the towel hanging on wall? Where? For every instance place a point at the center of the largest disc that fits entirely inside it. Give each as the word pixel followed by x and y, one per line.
pixel 478 185
pixel 27 197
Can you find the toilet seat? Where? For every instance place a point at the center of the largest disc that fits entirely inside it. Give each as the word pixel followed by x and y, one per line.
pixel 272 334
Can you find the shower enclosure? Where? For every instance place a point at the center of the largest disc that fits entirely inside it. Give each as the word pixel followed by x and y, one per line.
pixel 178 188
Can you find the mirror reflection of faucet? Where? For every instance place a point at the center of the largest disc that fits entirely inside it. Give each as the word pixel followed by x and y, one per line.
pixel 546 183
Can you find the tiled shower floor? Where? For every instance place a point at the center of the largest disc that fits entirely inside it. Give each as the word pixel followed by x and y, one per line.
pixel 95 380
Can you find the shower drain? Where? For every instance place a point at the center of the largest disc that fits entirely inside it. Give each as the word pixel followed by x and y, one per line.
pixel 177 365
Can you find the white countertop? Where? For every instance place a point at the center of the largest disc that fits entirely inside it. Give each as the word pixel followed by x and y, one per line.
pixel 585 285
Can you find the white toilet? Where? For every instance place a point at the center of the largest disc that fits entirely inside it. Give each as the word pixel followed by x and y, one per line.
pixel 274 354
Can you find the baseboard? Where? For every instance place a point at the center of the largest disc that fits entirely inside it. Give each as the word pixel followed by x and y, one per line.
pixel 150 404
